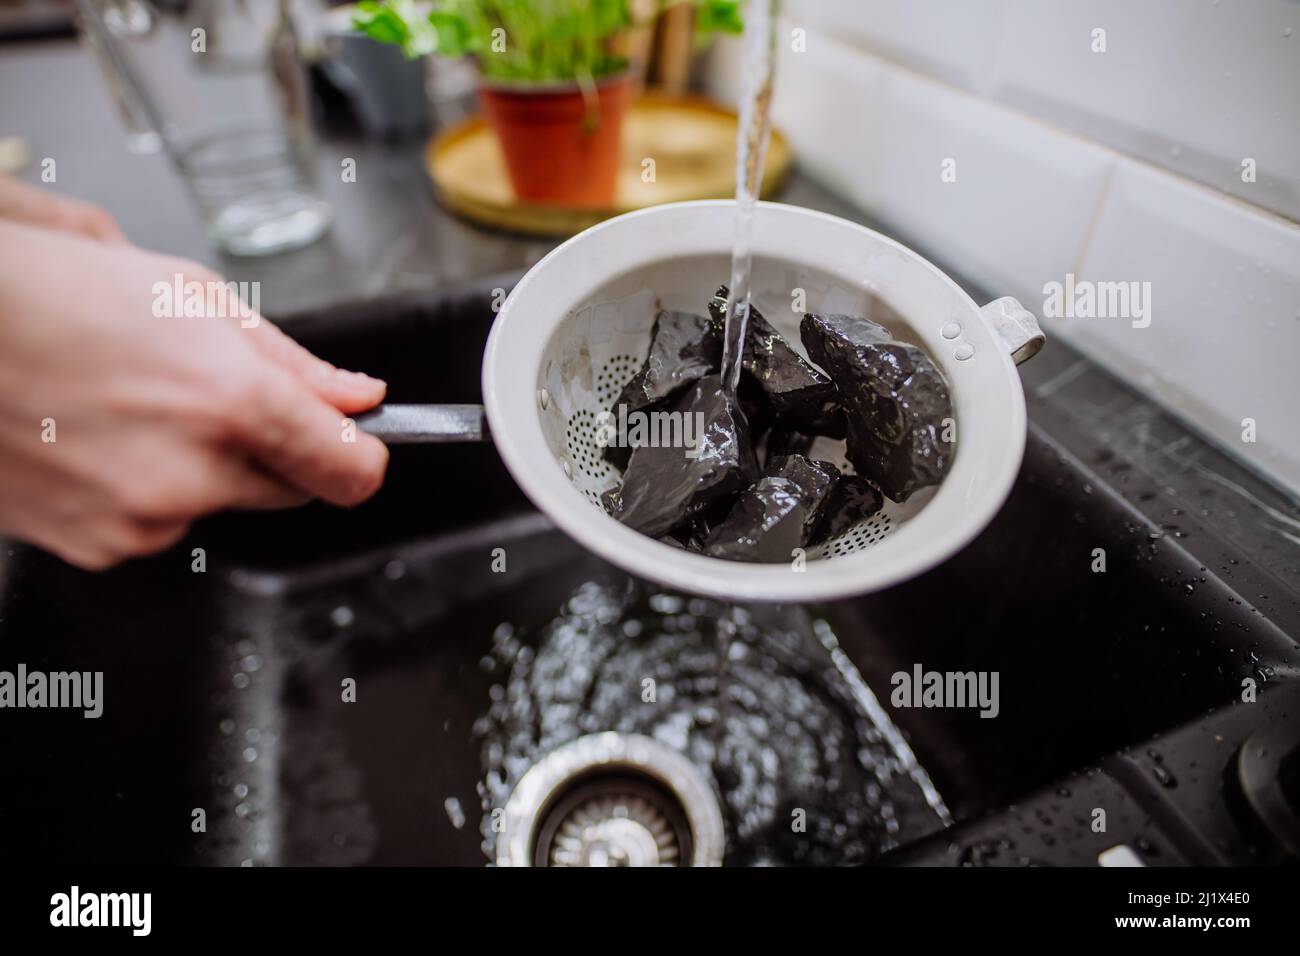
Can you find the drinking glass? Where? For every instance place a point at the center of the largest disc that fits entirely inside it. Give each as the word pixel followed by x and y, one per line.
pixel 220 86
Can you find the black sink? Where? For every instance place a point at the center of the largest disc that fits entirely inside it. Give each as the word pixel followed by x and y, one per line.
pixel 225 689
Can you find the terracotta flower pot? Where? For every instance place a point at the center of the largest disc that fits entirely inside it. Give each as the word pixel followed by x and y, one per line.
pixel 559 148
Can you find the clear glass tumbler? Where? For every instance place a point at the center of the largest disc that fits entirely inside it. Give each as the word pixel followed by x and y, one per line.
pixel 220 85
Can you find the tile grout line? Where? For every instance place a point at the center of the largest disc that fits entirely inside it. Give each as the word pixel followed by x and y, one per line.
pixel 1086 245
pixel 888 64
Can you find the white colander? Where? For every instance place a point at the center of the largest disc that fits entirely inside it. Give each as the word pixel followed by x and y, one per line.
pixel 577 327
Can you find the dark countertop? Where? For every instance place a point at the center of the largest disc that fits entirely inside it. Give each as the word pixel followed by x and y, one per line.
pixel 391 236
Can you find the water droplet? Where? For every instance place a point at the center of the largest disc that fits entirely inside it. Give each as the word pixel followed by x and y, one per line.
pixel 454 812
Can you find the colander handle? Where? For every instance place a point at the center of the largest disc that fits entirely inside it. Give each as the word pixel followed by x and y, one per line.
pixel 1016 327
pixel 425 424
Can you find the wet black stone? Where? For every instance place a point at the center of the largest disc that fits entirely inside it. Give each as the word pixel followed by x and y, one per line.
pixel 696 530
pixel 779 513
pixel 800 394
pixel 673 541
pixel 852 499
pixel 663 488
pixel 896 400
pixel 782 441
pixel 609 501
pixel 683 349
pixel 618 456
pixel 757 407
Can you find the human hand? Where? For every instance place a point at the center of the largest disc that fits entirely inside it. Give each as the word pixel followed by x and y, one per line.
pixel 119 427
pixel 20 202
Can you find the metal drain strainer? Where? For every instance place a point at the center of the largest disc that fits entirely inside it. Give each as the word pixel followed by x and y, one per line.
pixel 618 827
pixel 612 800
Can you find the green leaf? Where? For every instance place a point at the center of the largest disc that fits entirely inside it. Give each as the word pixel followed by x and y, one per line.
pixel 719 16
pixel 452 33
pixel 546 40
pixel 378 22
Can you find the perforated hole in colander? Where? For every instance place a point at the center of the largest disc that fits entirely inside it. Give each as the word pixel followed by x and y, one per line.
pixel 862 535
pixel 612 376
pixel 584 451
pixel 580 432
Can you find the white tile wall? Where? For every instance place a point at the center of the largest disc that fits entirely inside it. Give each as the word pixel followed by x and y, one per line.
pixel 953 40
pixel 1224 337
pixel 1040 193
pixel 1024 193
pixel 1195 86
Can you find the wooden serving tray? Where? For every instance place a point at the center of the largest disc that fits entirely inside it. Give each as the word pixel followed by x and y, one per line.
pixel 692 141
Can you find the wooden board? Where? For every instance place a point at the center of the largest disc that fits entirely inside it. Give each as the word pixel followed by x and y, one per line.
pixel 692 142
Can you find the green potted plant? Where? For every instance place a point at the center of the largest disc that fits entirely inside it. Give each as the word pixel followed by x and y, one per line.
pixel 554 81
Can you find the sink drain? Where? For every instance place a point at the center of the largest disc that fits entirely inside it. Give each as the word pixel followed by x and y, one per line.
pixel 615 821
pixel 612 800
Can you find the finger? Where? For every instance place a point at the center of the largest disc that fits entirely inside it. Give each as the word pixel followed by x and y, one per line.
pixel 112 539
pixel 248 488
pixel 222 479
pixel 94 222
pixel 300 439
pixel 154 536
pixel 349 392
pixel 82 555
pixel 74 547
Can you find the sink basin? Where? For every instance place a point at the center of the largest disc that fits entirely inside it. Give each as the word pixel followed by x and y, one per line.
pixel 343 687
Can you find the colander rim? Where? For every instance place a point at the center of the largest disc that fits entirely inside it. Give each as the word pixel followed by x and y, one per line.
pixel 522 331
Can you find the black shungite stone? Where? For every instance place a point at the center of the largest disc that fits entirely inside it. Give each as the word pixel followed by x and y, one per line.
pixel 778 514
pixel 691 534
pixel 801 396
pixel 663 487
pixel 782 441
pixel 852 499
pixel 895 398
pixel 609 501
pixel 683 349
pixel 759 414
pixel 673 542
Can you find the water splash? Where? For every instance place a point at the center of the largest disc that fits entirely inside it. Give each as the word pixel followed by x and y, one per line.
pixel 808 767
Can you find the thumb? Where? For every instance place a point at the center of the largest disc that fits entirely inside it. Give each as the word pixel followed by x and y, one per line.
pixel 347 391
